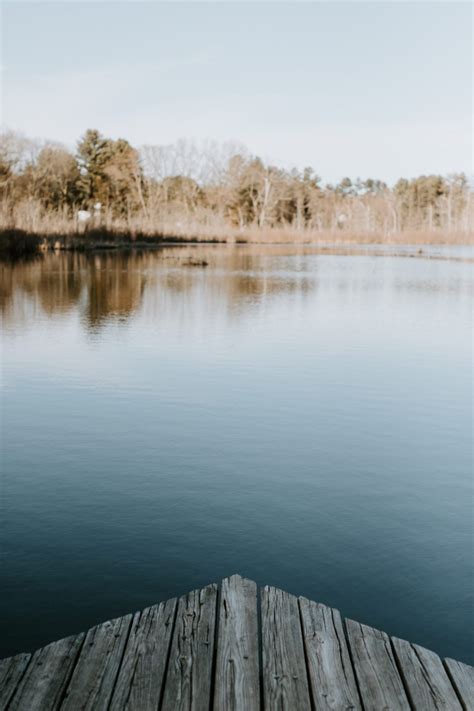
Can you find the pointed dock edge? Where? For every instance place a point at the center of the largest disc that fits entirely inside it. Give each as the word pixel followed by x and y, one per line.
pixel 227 648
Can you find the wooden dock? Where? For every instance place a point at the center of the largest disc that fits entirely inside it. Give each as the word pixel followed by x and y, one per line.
pixel 228 649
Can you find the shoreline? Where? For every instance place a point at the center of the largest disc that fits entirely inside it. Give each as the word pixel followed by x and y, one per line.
pixel 19 243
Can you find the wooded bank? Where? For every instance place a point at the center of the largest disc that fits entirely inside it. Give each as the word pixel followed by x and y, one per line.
pixel 214 192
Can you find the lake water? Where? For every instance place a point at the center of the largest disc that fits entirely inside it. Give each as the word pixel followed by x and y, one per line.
pixel 300 416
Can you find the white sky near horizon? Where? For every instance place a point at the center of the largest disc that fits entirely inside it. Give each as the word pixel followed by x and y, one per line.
pixel 359 88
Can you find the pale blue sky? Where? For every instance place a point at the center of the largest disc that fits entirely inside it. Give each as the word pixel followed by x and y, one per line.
pixel 358 88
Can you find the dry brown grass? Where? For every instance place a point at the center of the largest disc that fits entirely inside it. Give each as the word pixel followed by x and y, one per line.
pixel 29 228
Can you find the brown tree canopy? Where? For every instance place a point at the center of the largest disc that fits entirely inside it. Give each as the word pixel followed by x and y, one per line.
pixel 205 183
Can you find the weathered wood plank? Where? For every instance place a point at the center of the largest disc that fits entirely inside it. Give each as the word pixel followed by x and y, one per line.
pixel 462 676
pixel 93 679
pixel 428 685
pixel 140 680
pixel 285 682
pixel 46 677
pixel 188 680
pixel 330 670
pixel 163 658
pixel 381 687
pixel 11 671
pixel 237 666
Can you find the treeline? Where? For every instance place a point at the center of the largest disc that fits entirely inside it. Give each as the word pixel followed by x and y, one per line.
pixel 213 191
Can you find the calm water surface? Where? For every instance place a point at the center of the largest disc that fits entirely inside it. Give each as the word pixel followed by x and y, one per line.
pixel 301 417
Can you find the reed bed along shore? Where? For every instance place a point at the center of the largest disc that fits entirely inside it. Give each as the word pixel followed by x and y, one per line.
pixel 16 242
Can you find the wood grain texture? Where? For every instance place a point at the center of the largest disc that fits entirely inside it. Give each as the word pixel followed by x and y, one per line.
pixel 462 677
pixel 237 664
pixel 188 681
pixel 94 676
pixel 11 671
pixel 428 685
pixel 45 679
pixel 330 670
pixel 174 657
pixel 380 685
pixel 140 680
pixel 285 682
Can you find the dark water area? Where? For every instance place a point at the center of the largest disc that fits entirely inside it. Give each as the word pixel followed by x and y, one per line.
pixel 299 416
